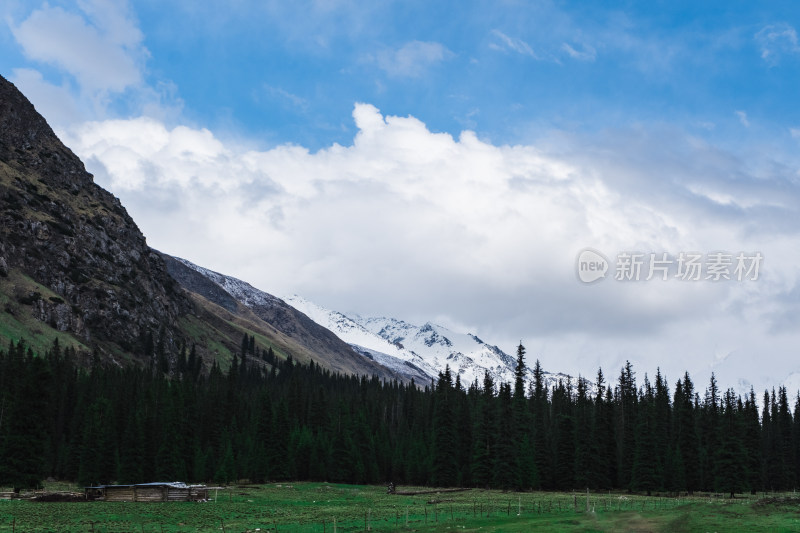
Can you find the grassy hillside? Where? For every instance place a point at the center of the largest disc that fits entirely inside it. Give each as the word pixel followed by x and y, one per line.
pixel 19 295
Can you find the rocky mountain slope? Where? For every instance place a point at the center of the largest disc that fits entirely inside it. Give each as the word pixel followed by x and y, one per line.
pixel 75 267
pixel 292 330
pixel 70 255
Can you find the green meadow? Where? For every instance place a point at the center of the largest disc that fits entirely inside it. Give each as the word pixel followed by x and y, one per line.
pixel 323 507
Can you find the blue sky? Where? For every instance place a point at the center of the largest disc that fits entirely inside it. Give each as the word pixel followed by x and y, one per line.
pixel 511 71
pixel 446 161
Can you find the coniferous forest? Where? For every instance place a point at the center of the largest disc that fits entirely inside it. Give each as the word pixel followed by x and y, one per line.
pixel 266 419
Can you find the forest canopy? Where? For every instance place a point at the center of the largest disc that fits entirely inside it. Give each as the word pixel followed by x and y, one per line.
pixel 267 419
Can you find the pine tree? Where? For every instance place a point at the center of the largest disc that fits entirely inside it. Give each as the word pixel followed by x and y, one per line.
pixel 643 470
pixel 484 435
pixel 540 429
pixel 23 402
pixel 751 441
pixel 505 460
pixel 602 438
pixel 584 437
pixel 523 447
pixel 625 424
pixel 730 458
pixel 445 450
pixel 563 437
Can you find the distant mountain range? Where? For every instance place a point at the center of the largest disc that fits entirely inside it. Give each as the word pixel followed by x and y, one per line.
pixel 427 348
pixel 409 351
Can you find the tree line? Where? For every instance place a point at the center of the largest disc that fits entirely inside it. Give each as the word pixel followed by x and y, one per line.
pixel 268 419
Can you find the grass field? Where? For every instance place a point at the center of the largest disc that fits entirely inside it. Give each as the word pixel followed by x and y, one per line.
pixel 323 507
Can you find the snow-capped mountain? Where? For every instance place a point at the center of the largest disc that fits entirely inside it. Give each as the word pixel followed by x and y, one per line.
pixel 429 348
pixel 406 350
pixel 242 291
pixel 284 327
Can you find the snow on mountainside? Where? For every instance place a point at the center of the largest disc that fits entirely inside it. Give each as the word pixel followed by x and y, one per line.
pixel 429 347
pixel 415 352
pixel 366 342
pixel 240 290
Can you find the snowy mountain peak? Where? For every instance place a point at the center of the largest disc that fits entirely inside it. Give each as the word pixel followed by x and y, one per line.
pixel 428 348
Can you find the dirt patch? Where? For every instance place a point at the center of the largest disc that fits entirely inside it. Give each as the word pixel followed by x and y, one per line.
pixel 791 503
pixel 60 497
pixel 637 523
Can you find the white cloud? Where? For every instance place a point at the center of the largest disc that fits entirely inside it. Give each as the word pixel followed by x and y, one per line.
pixel 52 101
pixel 102 48
pixel 743 118
pixel 795 133
pixel 587 54
pixel 777 40
pixel 416 224
pixel 96 56
pixel 505 43
pixel 413 59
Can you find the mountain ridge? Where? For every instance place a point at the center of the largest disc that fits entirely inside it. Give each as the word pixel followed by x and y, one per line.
pixel 429 347
pixel 297 332
pixel 62 233
pixel 74 267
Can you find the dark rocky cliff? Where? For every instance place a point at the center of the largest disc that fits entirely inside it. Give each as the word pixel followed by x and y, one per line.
pixel 68 234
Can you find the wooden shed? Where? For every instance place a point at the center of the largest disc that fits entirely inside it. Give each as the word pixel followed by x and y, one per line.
pixel 148 492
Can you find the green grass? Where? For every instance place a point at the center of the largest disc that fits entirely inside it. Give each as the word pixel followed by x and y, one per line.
pixel 313 507
pixel 202 334
pixel 16 318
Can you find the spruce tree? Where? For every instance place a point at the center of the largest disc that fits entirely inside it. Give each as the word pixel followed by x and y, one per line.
pixel 484 435
pixel 445 444
pixel 540 429
pixel 643 470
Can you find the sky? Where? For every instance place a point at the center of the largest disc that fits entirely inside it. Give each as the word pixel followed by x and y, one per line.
pixel 450 161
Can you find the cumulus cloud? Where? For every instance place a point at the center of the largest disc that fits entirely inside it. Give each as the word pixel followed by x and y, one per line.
pixel 413 59
pixel 94 56
pixel 102 48
pixel 416 224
